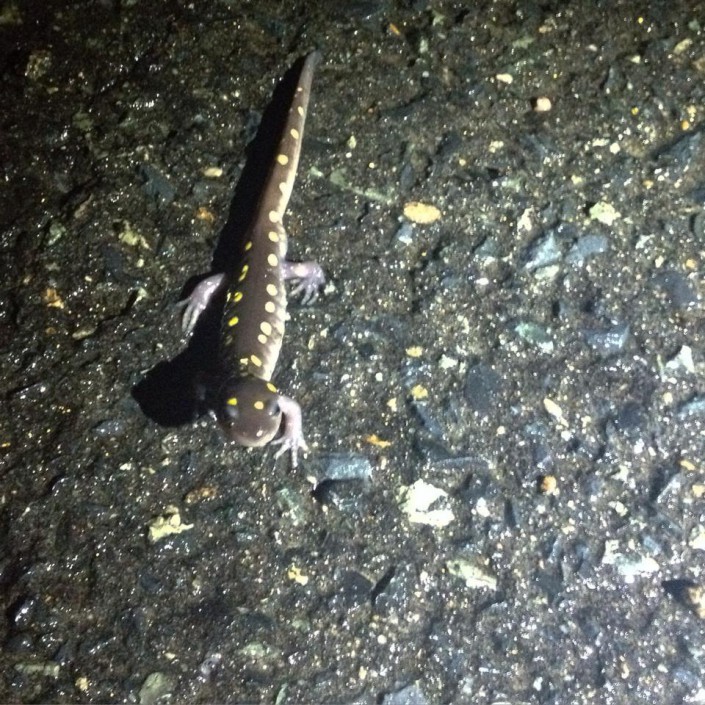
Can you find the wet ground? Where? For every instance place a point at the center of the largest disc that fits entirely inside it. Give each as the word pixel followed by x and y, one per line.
pixel 503 380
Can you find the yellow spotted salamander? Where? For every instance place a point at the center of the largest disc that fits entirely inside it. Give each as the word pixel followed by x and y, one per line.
pixel 246 404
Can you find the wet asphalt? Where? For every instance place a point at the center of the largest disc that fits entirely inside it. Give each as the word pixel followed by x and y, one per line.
pixel 503 380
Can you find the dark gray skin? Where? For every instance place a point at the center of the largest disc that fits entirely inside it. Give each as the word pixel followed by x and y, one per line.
pixel 249 408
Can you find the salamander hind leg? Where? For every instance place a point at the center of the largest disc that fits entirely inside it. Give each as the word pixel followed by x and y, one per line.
pixel 309 278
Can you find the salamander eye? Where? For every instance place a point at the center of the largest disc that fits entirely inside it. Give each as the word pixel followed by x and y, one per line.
pixel 230 412
pixel 273 408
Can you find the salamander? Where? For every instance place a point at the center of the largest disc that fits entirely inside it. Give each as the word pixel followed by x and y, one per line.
pixel 248 407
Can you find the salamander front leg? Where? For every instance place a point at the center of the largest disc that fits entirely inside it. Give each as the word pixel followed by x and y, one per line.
pixel 309 279
pixel 292 437
pixel 196 303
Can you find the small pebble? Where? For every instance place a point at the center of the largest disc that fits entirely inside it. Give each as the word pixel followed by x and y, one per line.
pixel 421 213
pixel 548 485
pixel 541 104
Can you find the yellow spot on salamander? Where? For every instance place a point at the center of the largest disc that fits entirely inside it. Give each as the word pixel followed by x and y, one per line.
pixel 273 217
pixel 284 188
pixel 272 260
pixel 270 307
pixel 272 290
pixel 233 321
pixel 273 235
pixel 248 245
pixel 232 401
pixel 255 361
pixel 243 273
pixel 294 133
pixel 237 296
pixel 300 110
pixel 271 387
pixel 266 327
pixel 259 405
pixel 262 339
pixel 282 159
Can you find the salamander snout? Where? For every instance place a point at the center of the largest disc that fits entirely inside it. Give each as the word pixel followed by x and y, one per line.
pixel 249 412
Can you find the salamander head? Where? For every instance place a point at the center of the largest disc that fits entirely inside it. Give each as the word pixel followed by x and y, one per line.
pixel 248 411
